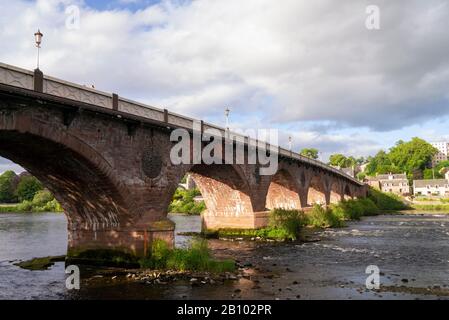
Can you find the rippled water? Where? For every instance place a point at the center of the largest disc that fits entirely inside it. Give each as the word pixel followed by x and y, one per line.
pixel 411 251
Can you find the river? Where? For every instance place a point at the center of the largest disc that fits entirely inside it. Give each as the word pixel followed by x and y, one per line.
pixel 411 251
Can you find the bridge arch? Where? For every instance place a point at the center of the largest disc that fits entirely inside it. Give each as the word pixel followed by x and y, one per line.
pixel 283 192
pixel 336 191
pixel 226 194
pixel 347 192
pixel 73 171
pixel 316 193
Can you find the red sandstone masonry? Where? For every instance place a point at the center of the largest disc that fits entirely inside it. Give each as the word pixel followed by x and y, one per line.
pixel 115 184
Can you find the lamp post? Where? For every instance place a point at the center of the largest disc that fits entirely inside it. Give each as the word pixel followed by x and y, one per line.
pixel 38 38
pixel 227 111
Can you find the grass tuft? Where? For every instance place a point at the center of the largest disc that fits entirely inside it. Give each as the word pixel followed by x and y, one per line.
pixel 195 258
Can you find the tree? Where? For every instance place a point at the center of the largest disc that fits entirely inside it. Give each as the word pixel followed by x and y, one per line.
pixel 380 164
pixel 415 155
pixel 339 160
pixel 8 182
pixel 432 174
pixel 310 153
pixel 412 157
pixel 28 186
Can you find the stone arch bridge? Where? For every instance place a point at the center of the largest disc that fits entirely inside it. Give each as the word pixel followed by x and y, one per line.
pixel 106 159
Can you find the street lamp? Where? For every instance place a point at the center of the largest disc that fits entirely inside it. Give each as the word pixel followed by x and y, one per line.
pixel 227 111
pixel 38 38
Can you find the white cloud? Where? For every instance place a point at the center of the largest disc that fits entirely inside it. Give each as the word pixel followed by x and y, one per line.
pixel 295 61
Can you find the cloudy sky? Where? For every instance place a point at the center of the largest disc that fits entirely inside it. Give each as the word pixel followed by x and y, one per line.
pixel 312 69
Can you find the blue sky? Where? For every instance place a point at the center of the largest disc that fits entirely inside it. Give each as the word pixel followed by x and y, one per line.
pixel 120 4
pixel 308 68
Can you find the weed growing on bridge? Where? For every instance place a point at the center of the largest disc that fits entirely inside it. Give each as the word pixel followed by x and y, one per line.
pixel 195 258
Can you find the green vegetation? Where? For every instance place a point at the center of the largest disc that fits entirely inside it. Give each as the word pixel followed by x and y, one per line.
pixel 8 182
pixel 195 258
pixel 40 263
pixel 431 207
pixel 340 160
pixel 310 153
pixel 387 201
pixel 27 190
pixel 320 217
pixel 335 215
pixel 27 187
pixel 283 225
pixel 361 176
pixel 286 224
pixel 43 201
pixel 103 257
pixel 412 157
pixel 183 202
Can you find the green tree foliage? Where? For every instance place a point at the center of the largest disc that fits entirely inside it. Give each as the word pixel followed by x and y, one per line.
pixel 28 186
pixel 310 153
pixel 432 173
pixel 361 175
pixel 381 164
pixel 342 161
pixel 412 157
pixel 8 181
pixel 183 202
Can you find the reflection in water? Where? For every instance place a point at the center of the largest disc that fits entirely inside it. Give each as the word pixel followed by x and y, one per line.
pixel 411 252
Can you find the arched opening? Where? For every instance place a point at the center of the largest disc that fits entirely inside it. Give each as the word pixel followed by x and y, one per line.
pixel 316 192
pixel 283 192
pixel 336 193
pixel 347 194
pixel 88 196
pixel 226 196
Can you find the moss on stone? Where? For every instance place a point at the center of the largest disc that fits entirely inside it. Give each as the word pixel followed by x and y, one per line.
pixel 40 263
pixel 103 257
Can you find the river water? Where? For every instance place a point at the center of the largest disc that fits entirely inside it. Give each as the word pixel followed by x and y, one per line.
pixel 411 251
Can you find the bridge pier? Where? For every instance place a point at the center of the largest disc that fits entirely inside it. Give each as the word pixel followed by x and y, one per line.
pixel 117 245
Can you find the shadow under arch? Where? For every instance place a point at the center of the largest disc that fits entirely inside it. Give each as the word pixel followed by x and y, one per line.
pixel 336 192
pixel 347 192
pixel 225 193
pixel 283 192
pixel 88 196
pixel 316 192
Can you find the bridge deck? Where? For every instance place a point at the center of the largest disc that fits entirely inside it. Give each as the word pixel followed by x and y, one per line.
pixel 53 87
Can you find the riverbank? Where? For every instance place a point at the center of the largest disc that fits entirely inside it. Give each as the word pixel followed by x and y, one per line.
pixel 43 201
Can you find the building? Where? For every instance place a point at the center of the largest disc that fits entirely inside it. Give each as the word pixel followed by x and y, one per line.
pixel 394 183
pixel 435 187
pixel 443 151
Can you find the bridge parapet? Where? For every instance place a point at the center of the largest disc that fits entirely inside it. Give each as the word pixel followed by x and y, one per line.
pixel 18 77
